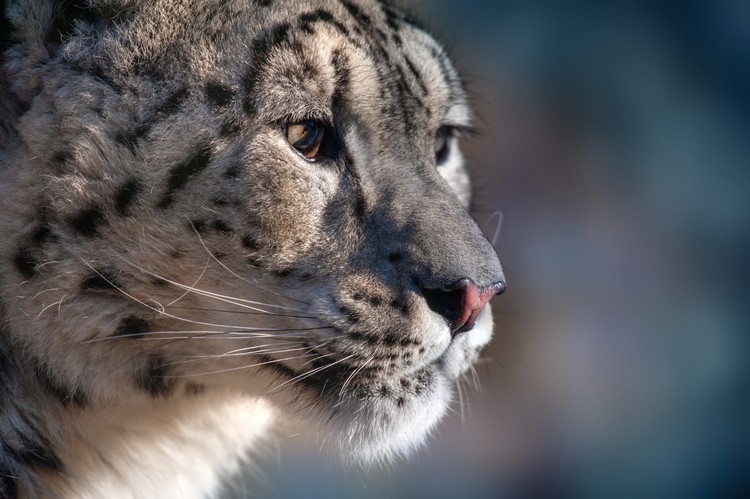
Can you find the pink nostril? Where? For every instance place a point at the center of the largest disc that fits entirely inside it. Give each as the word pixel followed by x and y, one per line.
pixel 462 303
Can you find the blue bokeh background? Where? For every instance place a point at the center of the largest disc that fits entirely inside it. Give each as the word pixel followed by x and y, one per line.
pixel 615 159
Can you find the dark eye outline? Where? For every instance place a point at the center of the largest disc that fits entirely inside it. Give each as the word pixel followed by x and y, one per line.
pixel 443 144
pixel 311 146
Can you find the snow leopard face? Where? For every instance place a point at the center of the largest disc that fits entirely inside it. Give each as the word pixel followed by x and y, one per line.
pixel 261 197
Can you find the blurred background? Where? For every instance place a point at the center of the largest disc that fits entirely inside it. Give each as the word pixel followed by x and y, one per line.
pixel 612 175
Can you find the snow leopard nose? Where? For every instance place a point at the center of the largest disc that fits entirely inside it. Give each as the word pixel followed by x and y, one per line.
pixel 461 303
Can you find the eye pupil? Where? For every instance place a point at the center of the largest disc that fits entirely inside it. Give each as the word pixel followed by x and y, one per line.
pixel 306 137
pixel 443 139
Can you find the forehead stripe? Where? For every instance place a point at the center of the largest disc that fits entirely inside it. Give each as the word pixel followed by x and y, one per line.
pixel 321 16
pixel 261 51
pixel 390 72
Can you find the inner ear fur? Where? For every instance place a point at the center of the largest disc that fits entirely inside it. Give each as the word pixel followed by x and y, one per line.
pixel 32 33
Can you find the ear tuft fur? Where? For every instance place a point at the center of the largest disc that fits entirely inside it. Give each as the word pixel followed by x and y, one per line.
pixel 66 18
pixel 31 34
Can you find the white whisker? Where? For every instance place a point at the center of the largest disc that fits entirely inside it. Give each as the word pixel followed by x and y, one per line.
pixel 239 350
pixel 190 288
pixel 238 368
pixel 45 291
pixel 461 402
pixel 240 302
pixel 58 303
pixel 499 226
pixel 203 334
pixel 256 284
pixel 307 374
pixel 259 352
pixel 242 312
pixel 354 373
pixel 162 310
pixel 322 356
pixel 475 378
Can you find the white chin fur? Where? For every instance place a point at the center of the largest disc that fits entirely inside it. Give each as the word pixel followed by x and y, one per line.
pixel 373 430
pixel 466 347
pixel 379 431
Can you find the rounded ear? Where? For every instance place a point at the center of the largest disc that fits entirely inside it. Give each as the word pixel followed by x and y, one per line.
pixel 31 34
pixel 44 22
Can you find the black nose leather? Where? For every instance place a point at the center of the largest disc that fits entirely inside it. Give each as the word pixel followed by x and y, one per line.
pixel 461 303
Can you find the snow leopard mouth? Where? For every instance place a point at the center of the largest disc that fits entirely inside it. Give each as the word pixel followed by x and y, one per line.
pixel 383 397
pixel 379 418
pixel 338 373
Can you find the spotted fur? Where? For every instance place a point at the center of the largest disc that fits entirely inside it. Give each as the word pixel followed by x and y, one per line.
pixel 175 278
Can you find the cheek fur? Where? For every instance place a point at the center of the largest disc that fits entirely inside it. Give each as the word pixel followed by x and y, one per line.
pixel 287 202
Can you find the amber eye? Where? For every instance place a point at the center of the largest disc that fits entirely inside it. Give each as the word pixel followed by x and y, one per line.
pixel 443 139
pixel 306 137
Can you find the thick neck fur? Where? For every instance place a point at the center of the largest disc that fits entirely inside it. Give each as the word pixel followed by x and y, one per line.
pixel 183 446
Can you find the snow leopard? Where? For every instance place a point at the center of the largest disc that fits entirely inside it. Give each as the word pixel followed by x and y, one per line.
pixel 221 216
